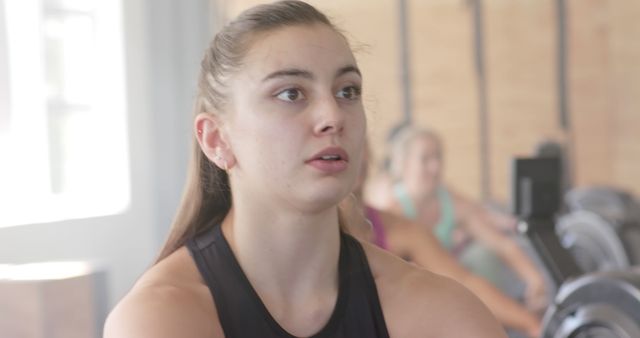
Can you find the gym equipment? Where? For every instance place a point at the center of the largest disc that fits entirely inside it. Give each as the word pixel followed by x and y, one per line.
pixel 601 228
pixel 613 204
pixel 536 200
pixel 594 242
pixel 603 305
pixel 600 304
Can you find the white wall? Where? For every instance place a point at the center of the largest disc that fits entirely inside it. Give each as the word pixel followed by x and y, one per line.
pixel 179 32
pixel 164 40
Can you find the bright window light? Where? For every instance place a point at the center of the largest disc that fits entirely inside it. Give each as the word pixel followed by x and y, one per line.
pixel 44 271
pixel 63 141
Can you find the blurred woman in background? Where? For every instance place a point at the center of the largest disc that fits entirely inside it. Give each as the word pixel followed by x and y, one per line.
pixel 464 227
pixel 407 239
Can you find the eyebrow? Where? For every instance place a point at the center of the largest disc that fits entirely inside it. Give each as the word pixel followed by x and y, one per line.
pixel 348 69
pixel 307 74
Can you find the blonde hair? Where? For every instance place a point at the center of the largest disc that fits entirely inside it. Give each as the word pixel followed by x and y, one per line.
pixel 400 144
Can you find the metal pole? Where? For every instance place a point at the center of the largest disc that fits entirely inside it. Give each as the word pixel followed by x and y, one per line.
pixel 563 102
pixel 483 112
pixel 405 62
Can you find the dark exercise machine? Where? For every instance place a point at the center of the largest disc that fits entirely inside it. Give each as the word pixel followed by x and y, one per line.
pixel 603 304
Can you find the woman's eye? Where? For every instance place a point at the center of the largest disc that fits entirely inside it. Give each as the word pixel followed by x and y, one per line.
pixel 290 95
pixel 349 93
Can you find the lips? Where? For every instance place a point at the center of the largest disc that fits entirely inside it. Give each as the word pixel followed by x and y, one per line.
pixel 330 160
pixel 331 153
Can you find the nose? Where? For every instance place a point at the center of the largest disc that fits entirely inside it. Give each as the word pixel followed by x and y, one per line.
pixel 330 118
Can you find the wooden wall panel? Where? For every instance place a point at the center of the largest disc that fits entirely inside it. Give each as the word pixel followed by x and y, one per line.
pixel 521 83
pixel 444 85
pixel 625 60
pixel 520 44
pixel 592 112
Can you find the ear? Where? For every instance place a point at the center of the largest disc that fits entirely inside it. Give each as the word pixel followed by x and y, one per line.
pixel 213 142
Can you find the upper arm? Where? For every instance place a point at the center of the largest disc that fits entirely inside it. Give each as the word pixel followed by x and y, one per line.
pixel 164 314
pixel 429 253
pixel 475 219
pixel 418 303
pixel 423 248
pixel 454 311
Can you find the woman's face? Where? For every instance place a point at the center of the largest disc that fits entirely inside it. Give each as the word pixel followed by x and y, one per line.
pixel 295 122
pixel 423 165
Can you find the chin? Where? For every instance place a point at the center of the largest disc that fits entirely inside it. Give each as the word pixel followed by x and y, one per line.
pixel 322 199
pixel 330 200
pixel 424 190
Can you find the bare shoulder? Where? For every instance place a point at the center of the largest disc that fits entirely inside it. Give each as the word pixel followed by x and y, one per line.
pixel 169 301
pixel 418 303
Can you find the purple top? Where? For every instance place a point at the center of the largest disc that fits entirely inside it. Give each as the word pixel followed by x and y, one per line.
pixel 380 238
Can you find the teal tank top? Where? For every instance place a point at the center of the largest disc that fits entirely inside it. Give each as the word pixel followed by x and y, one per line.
pixel 477 257
pixel 447 223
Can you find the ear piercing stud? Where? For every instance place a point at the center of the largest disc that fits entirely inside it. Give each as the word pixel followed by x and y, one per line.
pixel 218 159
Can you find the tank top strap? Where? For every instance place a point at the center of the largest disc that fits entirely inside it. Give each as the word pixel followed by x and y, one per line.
pixel 447 223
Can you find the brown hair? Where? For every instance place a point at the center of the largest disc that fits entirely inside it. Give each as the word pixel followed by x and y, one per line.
pixel 206 199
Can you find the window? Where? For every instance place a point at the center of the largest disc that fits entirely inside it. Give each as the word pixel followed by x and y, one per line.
pixel 63 140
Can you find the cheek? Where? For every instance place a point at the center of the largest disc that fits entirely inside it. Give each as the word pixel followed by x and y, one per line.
pixel 249 143
pixel 359 138
pixel 413 169
pixel 272 144
pixel 428 170
pixel 437 168
pixel 360 123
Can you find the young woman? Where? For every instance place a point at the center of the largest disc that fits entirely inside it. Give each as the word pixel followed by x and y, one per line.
pixel 461 225
pixel 257 248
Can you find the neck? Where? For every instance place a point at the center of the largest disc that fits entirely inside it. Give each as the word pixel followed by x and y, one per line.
pixel 285 254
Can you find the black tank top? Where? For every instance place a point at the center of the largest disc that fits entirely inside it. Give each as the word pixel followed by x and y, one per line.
pixel 242 314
